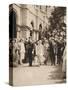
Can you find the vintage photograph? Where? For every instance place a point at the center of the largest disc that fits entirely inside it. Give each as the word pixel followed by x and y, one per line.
pixel 37 44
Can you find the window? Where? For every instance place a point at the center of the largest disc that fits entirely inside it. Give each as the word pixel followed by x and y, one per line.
pixel 32 25
pixel 40 27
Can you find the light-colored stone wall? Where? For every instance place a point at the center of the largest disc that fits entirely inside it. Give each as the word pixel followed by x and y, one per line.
pixel 25 14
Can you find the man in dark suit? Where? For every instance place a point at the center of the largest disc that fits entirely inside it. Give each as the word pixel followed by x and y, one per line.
pixel 30 49
pixel 52 56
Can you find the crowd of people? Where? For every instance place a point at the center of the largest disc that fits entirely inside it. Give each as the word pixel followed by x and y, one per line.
pixel 42 51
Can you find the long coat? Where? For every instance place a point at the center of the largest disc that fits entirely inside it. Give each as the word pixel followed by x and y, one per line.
pixel 51 52
pixel 30 49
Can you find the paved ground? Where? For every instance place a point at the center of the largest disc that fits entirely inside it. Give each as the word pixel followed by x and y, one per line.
pixel 25 75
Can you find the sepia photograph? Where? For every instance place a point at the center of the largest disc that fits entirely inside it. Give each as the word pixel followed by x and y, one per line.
pixel 37 44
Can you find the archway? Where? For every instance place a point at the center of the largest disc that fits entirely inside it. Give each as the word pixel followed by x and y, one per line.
pixel 12 25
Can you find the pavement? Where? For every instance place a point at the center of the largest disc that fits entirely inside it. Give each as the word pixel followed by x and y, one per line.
pixel 37 75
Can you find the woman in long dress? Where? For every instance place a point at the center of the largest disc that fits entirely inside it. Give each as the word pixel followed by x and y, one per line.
pixel 36 59
pixel 40 52
pixel 22 51
pixel 15 53
pixel 46 52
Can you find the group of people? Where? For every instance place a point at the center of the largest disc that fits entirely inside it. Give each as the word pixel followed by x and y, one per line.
pixel 56 51
pixel 40 52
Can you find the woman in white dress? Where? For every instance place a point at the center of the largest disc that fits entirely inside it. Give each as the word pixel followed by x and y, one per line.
pixel 36 58
pixel 46 52
pixel 40 52
pixel 22 50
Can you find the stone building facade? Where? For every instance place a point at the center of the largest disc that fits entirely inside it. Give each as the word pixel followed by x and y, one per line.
pixel 30 20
